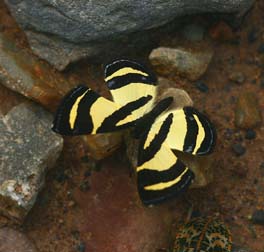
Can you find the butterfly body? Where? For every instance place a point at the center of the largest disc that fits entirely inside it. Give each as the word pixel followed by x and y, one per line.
pixel 160 129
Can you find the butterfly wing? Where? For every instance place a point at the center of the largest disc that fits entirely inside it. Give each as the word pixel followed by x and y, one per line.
pixel 190 131
pixel 83 111
pixel 160 174
pixel 128 81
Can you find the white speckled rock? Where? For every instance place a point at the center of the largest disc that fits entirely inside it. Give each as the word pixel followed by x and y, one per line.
pixel 28 148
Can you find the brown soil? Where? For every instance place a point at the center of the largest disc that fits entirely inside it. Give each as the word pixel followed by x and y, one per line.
pixel 238 188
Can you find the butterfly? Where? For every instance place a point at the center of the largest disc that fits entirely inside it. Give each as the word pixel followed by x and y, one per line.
pixel 159 129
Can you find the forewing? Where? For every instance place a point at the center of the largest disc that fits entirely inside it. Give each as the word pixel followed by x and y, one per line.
pixel 83 111
pixel 160 174
pixel 128 81
pixel 190 131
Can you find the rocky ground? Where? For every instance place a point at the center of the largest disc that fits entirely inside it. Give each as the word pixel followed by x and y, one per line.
pixel 89 205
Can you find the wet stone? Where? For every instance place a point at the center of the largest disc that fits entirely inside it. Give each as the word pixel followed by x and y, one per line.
pixel 192 65
pixel 28 148
pixel 201 86
pixel 250 134
pixel 14 241
pixel 238 149
pixel 258 217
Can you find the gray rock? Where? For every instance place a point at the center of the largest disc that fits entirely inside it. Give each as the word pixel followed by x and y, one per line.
pixel 65 31
pixel 28 148
pixel 14 241
pixel 192 65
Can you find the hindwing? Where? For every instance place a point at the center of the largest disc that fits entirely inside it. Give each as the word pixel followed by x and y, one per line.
pixel 160 173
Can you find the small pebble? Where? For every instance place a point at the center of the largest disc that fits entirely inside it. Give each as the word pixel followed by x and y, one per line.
pixel 258 217
pixel 201 86
pixel 71 203
pixel 81 247
pixel 84 186
pixel 238 149
pixel 237 77
pixel 250 134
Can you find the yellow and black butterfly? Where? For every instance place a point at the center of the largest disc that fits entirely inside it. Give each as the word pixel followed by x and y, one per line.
pixel 160 174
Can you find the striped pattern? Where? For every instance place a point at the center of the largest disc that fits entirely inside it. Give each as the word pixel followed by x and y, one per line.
pixel 128 81
pixel 85 112
pixel 160 174
pixel 190 132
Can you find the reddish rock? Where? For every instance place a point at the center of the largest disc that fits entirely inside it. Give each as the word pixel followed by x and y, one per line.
pixel 114 219
pixel 24 73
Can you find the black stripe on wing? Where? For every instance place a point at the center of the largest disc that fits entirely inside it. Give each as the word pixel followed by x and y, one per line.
pixel 110 123
pixel 120 81
pixel 191 133
pixel 145 155
pixel 209 140
pixel 133 72
pixel 148 177
pixel 82 123
pixel 119 64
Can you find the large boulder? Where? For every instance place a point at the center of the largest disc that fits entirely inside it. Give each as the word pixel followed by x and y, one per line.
pixel 28 149
pixel 65 31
